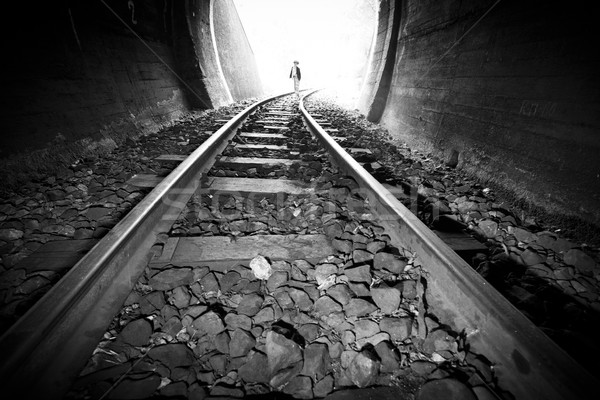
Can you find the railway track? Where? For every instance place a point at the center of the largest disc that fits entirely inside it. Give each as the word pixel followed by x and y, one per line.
pixel 271 239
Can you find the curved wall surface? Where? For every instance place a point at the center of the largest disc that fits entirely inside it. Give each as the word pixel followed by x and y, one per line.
pixel 513 88
pixel 109 68
pixel 235 53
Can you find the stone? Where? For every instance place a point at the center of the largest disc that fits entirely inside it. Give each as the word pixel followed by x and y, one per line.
pixel 301 299
pixel 277 279
pixel 152 302
pixel 136 388
pixel 359 274
pixel 222 341
pixel 386 298
pixel 359 289
pixel 171 278
pixel 489 228
pixel 229 280
pixel 176 389
pixel 358 308
pixel 241 343
pixel 300 387
pixel 250 304
pixel 422 367
pixel 324 271
pixel 136 332
pixel 340 293
pixel 342 245
pixel 580 260
pixel 265 315
pixel 390 358
pixel 222 391
pixel 323 387
pixel 361 256
pixel 283 299
pixel 438 340
pixel 255 369
pixel 261 267
pixel 195 311
pixel 309 332
pixel 210 283
pixel 284 358
pixel 172 355
pixel 209 324
pixel 325 305
pixel 180 297
pixel 389 262
pixel 408 288
pixel 317 362
pixel 522 235
pixel 531 257
pixel 365 328
pixel 172 326
pixel 399 329
pixel 448 389
pixel 363 369
pixel 10 234
pixel 372 340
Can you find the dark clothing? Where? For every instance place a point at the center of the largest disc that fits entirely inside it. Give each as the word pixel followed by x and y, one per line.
pixel 298 74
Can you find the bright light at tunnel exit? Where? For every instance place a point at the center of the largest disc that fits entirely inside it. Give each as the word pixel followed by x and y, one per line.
pixel 330 38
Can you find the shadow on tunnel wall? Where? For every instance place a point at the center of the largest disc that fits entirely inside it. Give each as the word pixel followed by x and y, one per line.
pixel 509 90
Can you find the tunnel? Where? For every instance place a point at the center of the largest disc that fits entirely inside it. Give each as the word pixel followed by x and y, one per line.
pixel 506 93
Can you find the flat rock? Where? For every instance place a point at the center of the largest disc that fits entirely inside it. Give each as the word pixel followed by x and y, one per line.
pixel 209 324
pixel 235 321
pixel 489 228
pixel 323 387
pixel 364 328
pixel 250 304
pixel 449 389
pixel 301 299
pixel 254 369
pixel 359 274
pixel 136 388
pixel 316 361
pixel 171 278
pixel 277 279
pixel 340 293
pixel 580 260
pixel 241 343
pixel 284 358
pixel 361 256
pixel 136 333
pixel 531 257
pixel 389 262
pixel 386 298
pixel 390 359
pixel 379 393
pixel 398 328
pixel 358 308
pixel 325 305
pixel 363 369
pixel 172 355
pixel 300 387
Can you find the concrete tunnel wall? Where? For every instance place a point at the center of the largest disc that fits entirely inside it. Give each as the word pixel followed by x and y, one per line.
pixel 515 101
pixel 75 71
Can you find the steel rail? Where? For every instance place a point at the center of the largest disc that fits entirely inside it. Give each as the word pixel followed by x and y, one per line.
pixel 527 363
pixel 45 349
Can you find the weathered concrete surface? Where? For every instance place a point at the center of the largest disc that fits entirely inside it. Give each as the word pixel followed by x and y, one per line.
pixel 235 53
pixel 110 69
pixel 513 93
